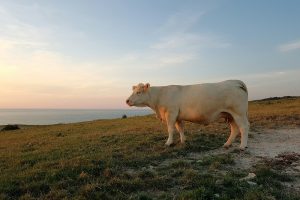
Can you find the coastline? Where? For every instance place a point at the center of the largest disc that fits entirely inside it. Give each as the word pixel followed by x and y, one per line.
pixel 64 116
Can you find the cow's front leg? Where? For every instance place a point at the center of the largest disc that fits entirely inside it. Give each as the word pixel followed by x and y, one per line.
pixel 158 116
pixel 171 120
pixel 171 129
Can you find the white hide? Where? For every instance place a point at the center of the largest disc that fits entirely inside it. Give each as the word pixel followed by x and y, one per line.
pixel 200 103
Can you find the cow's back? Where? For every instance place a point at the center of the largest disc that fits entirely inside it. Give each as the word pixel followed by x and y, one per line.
pixel 201 102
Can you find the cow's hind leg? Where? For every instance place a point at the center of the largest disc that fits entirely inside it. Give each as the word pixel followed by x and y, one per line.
pixel 234 132
pixel 243 124
pixel 180 129
pixel 171 120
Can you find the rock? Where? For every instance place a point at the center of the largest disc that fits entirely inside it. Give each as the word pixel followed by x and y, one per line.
pixel 10 127
pixel 297 168
pixel 251 183
pixel 83 175
pixel 124 116
pixel 199 161
pixel 249 177
pixel 59 134
pixel 219 182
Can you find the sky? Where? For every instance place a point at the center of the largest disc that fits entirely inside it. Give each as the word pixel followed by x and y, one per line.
pixel 89 54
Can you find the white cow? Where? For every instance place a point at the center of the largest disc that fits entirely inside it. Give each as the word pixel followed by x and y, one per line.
pixel 200 103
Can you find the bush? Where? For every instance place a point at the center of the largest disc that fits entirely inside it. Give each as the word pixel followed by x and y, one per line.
pixel 10 127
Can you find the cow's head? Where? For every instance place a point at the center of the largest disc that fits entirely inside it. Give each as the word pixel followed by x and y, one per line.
pixel 139 96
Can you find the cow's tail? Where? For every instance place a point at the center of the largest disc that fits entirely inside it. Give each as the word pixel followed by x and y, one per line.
pixel 243 86
pixel 248 123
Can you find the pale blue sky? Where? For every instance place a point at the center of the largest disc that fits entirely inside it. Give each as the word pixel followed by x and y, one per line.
pixel 88 54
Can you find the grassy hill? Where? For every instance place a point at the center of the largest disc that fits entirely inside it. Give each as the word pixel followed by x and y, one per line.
pixel 127 159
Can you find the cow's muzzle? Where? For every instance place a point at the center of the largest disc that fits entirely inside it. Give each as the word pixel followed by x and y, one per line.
pixel 128 102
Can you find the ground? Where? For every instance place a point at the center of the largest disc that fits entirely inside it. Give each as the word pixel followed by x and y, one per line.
pixel 280 147
pixel 127 159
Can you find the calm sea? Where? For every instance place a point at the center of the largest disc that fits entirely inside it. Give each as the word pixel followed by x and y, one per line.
pixel 55 116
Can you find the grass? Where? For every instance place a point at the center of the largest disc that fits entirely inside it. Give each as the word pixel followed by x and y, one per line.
pixel 127 159
pixel 278 113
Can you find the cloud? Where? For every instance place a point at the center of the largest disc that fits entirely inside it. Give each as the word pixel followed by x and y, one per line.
pixel 34 74
pixel 49 79
pixel 32 67
pixel 15 31
pixel 270 84
pixel 191 41
pixel 178 42
pixel 180 22
pixel 282 83
pixel 175 59
pixel 11 44
pixel 289 46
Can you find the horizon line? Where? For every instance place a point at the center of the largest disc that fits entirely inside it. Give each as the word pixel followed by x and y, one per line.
pixel 133 108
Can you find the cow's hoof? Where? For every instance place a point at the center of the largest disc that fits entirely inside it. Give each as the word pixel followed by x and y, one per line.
pixel 182 140
pixel 169 144
pixel 242 148
pixel 227 145
pixel 183 144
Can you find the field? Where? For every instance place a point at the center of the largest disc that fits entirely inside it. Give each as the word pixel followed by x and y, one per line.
pixel 127 159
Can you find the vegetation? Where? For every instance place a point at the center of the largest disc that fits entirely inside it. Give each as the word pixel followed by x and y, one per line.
pixel 10 127
pixel 126 159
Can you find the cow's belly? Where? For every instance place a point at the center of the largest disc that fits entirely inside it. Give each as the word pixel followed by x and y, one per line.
pixel 193 115
pixel 203 115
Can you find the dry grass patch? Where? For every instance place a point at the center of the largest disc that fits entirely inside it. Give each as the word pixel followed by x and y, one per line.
pixel 121 158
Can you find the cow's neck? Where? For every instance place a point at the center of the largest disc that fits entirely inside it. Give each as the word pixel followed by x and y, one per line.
pixel 153 98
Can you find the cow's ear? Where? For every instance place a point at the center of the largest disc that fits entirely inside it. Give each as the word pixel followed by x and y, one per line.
pixel 133 87
pixel 146 87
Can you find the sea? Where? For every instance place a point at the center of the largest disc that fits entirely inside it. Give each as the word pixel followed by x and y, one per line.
pixel 59 116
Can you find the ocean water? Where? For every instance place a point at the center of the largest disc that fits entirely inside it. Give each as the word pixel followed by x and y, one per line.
pixel 55 116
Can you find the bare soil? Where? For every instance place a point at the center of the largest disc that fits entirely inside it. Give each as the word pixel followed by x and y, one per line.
pixel 278 148
pixel 270 144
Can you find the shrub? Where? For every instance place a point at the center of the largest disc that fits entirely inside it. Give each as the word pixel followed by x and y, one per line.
pixel 10 127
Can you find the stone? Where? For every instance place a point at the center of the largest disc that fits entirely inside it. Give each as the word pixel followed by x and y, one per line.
pixel 249 177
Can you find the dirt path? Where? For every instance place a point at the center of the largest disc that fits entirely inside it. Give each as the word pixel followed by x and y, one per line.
pixel 268 144
pixel 262 145
pixel 279 147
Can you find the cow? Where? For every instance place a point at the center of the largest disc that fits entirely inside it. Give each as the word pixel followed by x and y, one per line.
pixel 199 103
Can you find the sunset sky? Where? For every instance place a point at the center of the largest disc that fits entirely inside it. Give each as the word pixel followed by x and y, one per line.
pixel 88 54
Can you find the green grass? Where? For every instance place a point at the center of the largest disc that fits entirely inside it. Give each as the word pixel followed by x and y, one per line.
pixel 127 159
